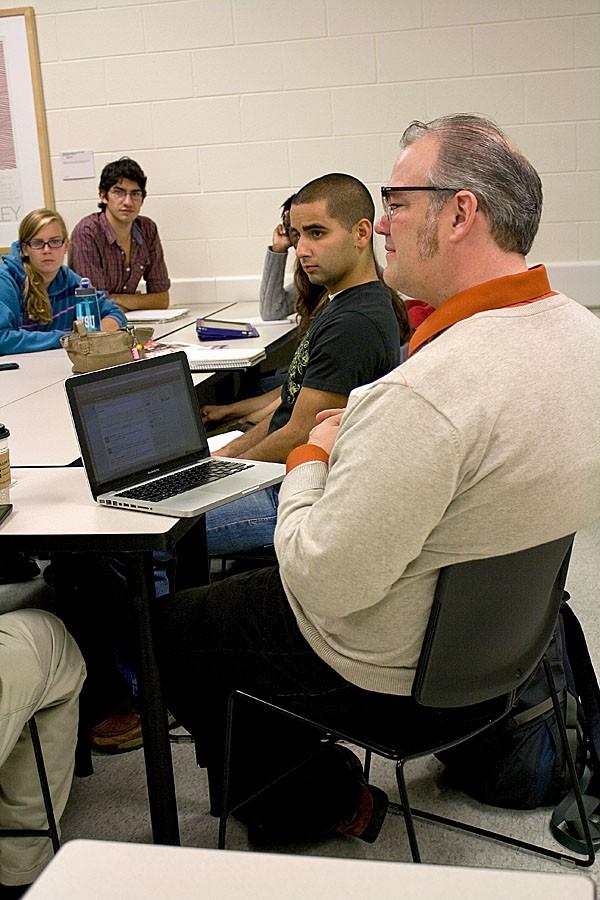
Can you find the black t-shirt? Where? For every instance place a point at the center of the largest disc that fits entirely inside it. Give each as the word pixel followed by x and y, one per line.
pixel 354 340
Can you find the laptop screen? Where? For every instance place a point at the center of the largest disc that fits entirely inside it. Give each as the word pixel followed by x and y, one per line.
pixel 137 420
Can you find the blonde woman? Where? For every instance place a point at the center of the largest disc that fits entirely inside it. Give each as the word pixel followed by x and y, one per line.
pixel 37 292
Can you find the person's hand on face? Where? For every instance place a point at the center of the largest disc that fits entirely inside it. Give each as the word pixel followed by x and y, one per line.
pixel 281 242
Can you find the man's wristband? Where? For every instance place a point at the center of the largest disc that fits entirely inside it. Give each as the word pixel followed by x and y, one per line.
pixel 306 453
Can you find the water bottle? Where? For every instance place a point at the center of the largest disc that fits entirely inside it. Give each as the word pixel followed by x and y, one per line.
pixel 4 465
pixel 86 305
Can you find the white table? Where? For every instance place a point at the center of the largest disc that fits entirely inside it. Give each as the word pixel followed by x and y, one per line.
pixel 41 428
pixel 41 370
pixel 36 371
pixel 270 334
pixel 58 502
pixel 196 310
pixel 274 337
pixel 39 420
pixel 245 309
pixel 54 511
pixel 103 870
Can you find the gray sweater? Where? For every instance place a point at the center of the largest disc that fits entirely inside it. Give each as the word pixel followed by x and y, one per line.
pixel 484 442
pixel 274 300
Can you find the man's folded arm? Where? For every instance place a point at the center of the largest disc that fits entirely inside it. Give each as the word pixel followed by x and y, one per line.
pixel 343 536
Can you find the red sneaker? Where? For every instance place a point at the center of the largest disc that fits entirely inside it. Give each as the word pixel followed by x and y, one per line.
pixel 121 733
pixel 117 734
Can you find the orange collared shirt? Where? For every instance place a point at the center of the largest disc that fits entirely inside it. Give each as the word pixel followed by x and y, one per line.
pixel 509 290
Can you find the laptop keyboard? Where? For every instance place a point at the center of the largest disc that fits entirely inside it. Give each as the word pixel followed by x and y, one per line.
pixel 179 482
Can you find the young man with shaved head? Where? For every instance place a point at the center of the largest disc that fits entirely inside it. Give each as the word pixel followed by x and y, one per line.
pixel 353 339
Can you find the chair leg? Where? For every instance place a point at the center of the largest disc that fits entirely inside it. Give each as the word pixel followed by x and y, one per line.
pixel 39 760
pixel 408 819
pixel 576 787
pixel 367 765
pixel 226 775
pixel 411 814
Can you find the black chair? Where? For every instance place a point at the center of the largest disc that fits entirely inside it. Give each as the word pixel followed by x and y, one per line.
pixel 489 627
pixel 52 830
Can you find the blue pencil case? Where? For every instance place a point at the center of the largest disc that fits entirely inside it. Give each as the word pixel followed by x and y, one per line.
pixel 218 330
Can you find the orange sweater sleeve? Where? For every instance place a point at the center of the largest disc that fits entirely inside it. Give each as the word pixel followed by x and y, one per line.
pixel 306 453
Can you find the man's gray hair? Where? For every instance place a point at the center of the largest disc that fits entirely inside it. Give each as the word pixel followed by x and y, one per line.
pixel 475 155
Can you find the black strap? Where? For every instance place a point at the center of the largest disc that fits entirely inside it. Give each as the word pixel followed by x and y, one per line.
pixel 584 676
pixel 528 715
pixel 565 823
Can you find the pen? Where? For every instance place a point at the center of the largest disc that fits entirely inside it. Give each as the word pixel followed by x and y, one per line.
pixel 9 366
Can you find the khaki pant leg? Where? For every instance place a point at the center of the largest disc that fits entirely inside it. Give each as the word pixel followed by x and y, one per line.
pixel 41 674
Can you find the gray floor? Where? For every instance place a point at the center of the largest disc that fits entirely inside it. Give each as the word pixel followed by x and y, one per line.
pixel 112 803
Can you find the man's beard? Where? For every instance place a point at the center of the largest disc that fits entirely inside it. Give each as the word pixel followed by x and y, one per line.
pixel 428 244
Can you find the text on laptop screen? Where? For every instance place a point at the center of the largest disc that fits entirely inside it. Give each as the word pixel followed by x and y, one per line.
pixel 139 420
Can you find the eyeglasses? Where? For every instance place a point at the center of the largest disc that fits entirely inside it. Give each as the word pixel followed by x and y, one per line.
pixel 120 194
pixel 390 208
pixel 39 244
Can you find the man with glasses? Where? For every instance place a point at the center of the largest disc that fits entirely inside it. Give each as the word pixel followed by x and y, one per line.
pixel 117 247
pixel 462 452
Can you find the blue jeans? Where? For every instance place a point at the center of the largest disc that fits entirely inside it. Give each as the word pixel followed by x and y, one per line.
pixel 244 524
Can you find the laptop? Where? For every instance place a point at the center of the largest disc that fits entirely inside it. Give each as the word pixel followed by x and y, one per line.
pixel 144 446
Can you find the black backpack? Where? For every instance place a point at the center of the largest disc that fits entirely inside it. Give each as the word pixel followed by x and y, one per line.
pixel 519 763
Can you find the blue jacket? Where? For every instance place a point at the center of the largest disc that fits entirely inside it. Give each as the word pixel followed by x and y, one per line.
pixel 19 333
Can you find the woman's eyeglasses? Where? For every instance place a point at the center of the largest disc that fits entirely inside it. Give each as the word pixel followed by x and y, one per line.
pixel 39 244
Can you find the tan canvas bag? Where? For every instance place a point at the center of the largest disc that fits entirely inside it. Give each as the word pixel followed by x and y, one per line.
pixel 92 350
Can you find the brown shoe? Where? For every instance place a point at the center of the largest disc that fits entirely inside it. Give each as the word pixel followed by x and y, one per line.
pixel 119 733
pixel 369 816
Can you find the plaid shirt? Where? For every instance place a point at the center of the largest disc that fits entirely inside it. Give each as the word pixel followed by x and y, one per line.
pixel 95 253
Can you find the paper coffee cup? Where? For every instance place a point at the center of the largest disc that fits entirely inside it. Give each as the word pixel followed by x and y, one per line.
pixel 4 465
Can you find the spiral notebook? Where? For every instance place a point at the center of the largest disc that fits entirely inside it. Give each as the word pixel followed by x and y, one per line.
pixel 155 316
pixel 211 357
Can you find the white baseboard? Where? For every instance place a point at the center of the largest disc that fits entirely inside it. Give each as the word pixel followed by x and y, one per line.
pixel 208 290
pixel 580 280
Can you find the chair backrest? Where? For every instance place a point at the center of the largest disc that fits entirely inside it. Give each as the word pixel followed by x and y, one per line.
pixel 490 623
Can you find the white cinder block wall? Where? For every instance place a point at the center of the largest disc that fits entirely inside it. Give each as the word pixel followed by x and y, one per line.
pixel 229 105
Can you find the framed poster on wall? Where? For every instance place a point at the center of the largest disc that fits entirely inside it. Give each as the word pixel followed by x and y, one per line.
pixel 25 172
